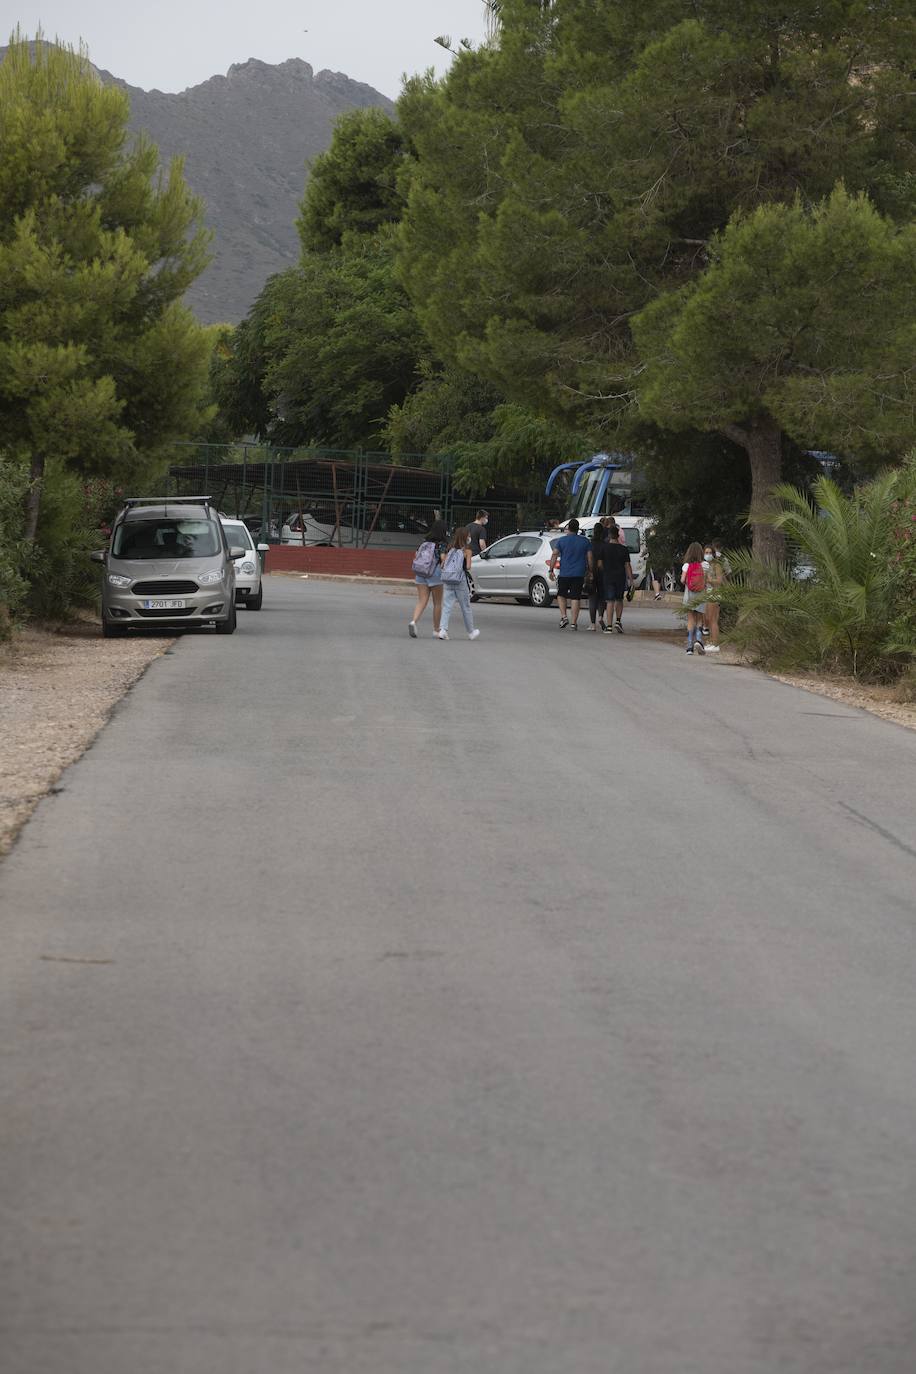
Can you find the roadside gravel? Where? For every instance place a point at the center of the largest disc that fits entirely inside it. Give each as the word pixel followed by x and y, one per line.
pixel 57 689
pixel 879 700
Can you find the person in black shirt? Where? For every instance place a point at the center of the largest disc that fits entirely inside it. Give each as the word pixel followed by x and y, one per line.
pixel 477 531
pixel 618 575
pixel 596 603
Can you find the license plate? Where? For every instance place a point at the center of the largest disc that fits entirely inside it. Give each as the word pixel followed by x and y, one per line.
pixel 159 604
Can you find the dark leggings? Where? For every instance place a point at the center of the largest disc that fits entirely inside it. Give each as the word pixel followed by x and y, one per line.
pixel 596 605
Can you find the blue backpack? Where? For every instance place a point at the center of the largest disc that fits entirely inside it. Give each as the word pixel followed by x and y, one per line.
pixel 453 567
pixel 424 562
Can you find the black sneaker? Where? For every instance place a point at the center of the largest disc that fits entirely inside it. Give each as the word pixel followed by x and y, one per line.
pixel 619 628
pixel 564 621
pixel 700 646
pixel 574 625
pixel 690 648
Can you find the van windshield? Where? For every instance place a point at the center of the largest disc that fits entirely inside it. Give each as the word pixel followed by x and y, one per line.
pixel 144 539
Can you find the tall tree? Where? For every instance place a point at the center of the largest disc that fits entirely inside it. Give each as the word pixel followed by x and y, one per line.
pixel 353 187
pixel 801 325
pixel 569 176
pixel 100 365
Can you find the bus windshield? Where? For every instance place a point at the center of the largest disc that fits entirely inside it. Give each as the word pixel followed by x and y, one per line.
pixel 616 499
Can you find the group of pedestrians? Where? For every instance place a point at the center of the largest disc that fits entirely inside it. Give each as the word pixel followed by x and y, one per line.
pixel 598 569
pixel 442 572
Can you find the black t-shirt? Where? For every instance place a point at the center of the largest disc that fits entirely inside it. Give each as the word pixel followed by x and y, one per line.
pixel 614 558
pixel 476 532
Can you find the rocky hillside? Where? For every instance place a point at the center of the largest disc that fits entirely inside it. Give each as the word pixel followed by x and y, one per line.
pixel 247 138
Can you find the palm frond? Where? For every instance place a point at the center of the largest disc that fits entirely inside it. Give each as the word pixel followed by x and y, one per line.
pixel 843 612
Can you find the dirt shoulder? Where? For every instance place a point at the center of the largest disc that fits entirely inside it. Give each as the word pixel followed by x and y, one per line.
pixel 57 690
pixel 881 701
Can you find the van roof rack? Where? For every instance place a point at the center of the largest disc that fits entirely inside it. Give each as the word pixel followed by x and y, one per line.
pixel 166 500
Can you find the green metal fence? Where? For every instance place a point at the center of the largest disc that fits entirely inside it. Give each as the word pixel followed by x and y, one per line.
pixel 326 496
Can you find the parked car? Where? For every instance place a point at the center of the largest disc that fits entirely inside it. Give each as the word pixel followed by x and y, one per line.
pixel 168 563
pixel 317 527
pixel 518 566
pixel 248 589
pixel 256 527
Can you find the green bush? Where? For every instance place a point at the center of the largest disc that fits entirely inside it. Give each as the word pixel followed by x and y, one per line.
pixel 13 585
pixel 60 574
pixel 902 633
pixel 840 618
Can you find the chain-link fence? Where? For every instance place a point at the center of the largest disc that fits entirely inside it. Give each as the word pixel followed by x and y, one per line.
pixel 317 497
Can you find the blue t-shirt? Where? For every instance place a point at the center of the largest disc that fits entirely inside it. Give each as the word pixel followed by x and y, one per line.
pixel 573 550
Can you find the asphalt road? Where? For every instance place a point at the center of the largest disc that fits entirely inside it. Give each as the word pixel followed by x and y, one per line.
pixel 541 1005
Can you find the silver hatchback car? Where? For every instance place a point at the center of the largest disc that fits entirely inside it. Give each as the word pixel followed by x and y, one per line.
pixel 168 563
pixel 518 566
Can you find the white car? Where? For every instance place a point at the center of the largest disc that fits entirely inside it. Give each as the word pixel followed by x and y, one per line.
pixel 519 566
pixel 248 589
pixel 389 531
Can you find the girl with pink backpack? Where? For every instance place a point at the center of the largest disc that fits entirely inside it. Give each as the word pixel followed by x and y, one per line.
pixel 693 577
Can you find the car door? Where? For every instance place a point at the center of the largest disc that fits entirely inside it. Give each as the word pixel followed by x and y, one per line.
pixel 490 573
pixel 524 565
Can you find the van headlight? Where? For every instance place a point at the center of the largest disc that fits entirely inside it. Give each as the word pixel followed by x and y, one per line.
pixel 247 568
pixel 116 580
pixel 207 579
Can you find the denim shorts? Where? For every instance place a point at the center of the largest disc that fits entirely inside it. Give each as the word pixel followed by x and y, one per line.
pixel 433 580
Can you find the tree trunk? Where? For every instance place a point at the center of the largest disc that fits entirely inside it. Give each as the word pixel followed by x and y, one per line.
pixel 33 498
pixel 762 442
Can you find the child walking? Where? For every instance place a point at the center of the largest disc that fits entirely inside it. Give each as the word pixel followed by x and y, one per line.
pixel 428 576
pixel 693 577
pixel 456 567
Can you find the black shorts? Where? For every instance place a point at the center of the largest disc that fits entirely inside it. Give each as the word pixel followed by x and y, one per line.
pixel 570 587
pixel 615 590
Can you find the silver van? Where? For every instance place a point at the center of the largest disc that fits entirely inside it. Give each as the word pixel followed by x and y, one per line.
pixel 168 563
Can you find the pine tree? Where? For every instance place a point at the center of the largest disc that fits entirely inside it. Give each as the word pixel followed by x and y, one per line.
pixel 100 364
pixel 583 168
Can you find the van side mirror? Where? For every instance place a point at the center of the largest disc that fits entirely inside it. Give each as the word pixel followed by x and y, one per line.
pixel 235 553
pixel 97 556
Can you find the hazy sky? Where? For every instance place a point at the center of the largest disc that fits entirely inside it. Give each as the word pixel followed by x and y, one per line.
pixel 172 44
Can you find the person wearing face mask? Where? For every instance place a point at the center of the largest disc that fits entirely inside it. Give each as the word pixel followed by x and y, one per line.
pixel 477 532
pixel 715 576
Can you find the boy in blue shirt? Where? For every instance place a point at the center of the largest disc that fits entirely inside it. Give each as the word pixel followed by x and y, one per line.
pixel 572 552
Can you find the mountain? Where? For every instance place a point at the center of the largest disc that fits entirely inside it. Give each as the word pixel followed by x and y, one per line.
pixel 247 138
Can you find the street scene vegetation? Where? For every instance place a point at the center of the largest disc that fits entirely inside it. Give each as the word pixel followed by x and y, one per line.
pixel 681 231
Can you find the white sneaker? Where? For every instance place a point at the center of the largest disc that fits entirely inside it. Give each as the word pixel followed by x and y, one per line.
pixel 712 648
pixel 412 630
pixel 441 634
pixel 474 634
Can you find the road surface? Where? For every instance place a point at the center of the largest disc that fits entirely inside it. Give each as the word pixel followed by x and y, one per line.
pixel 541 1005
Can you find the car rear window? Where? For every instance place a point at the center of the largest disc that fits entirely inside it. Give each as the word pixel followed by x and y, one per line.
pixel 239 535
